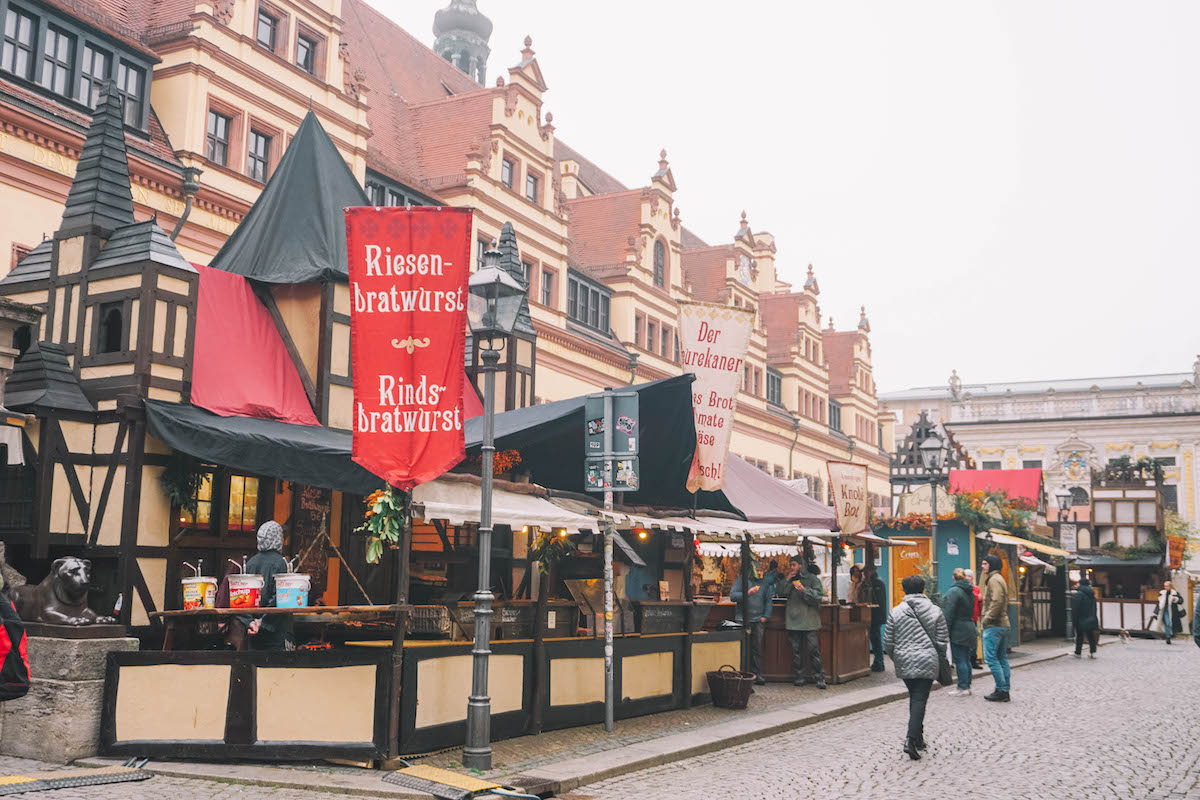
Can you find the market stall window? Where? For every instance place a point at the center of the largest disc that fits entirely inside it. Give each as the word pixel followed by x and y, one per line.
pixel 243 503
pixel 201 518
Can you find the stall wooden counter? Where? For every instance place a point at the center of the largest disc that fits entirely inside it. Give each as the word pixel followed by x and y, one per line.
pixel 845 640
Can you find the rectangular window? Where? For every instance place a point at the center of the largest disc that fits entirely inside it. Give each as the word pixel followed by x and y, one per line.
pixel 526 271
pixel 573 290
pixel 394 198
pixel 1165 461
pixel 604 307
pixel 835 415
pixel 93 73
pixel 306 54
pixel 131 84
pixel 243 504
pixel 990 465
pixel 506 173
pixel 746 379
pixel 58 59
pixel 481 246
pixel 377 194
pixel 202 499
pixel 216 140
pixel 593 309
pixel 665 349
pixel 531 187
pixel 1031 464
pixel 20 31
pixel 547 288
pixel 268 27
pixel 774 388
pixel 757 382
pixel 676 348
pixel 256 158
pixel 637 329
pixel 651 335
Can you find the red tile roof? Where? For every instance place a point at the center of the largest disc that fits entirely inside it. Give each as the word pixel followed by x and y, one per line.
pixel 594 178
pixel 839 353
pixel 157 146
pixel 600 228
pixel 397 65
pixel 705 270
pixel 690 241
pixel 780 313
pixel 125 20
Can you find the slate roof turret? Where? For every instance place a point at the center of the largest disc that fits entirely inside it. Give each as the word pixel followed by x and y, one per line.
pixel 100 198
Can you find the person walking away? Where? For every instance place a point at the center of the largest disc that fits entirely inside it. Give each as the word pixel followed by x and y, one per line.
pixel 758 606
pixel 1168 615
pixel 975 662
pixel 875 594
pixel 994 619
pixel 270 631
pixel 803 622
pixel 1083 611
pixel 1196 627
pixel 916 637
pixel 959 609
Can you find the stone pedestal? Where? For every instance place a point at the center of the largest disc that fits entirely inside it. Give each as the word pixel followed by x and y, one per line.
pixel 59 720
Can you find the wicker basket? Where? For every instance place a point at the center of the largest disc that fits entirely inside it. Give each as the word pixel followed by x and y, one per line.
pixel 730 688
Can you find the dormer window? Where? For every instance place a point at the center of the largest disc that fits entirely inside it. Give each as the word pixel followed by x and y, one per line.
pixel 58 60
pixel 93 73
pixel 20 32
pixel 131 83
pixel 660 263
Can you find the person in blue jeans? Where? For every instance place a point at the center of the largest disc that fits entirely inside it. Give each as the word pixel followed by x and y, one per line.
pixel 959 608
pixel 994 620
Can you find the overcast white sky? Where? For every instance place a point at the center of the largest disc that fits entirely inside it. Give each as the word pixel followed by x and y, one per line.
pixel 1011 188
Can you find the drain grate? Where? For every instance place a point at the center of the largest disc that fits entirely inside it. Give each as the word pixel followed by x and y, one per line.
pixel 68 779
pixel 439 782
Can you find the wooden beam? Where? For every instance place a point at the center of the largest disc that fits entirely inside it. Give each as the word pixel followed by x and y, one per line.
pixel 102 503
pixel 440 526
pixel 131 510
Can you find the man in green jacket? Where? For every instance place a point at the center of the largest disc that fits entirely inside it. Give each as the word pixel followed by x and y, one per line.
pixel 994 620
pixel 803 621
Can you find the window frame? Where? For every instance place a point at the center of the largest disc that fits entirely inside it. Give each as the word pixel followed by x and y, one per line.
pixel 536 178
pixel 511 166
pixel 774 387
pixel 316 42
pixel 546 288
pixel 660 263
pixel 36 22
pixel 218 532
pixel 141 97
pixel 835 415
pixel 212 138
pixel 54 36
pixel 268 13
pixel 87 73
pixel 253 157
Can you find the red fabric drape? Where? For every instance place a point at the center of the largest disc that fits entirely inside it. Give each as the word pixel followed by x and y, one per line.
pixel 240 366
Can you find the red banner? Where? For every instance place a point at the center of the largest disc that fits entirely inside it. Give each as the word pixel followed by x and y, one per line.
pixel 408 319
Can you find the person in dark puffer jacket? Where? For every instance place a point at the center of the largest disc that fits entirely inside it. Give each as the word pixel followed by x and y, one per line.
pixel 916 636
pixel 959 608
pixel 1083 611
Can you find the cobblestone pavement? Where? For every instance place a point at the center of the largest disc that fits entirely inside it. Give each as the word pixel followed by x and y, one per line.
pixel 158 787
pixel 1099 730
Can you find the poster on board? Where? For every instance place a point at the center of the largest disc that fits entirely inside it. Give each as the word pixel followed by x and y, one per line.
pixel 848 484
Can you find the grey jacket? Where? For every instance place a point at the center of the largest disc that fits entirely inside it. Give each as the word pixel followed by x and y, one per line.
pixel 803 612
pixel 758 605
pixel 908 645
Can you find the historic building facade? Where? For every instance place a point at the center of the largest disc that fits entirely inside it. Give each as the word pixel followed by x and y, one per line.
pixel 212 92
pixel 1069 427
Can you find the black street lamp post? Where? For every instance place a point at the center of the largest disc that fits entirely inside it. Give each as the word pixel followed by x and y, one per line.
pixel 1063 496
pixel 933 457
pixel 492 305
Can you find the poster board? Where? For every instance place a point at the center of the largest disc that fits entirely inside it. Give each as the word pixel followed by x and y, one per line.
pixel 312 514
pixel 908 560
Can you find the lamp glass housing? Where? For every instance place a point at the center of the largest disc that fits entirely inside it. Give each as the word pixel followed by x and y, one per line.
pixel 1063 496
pixel 494 299
pixel 932 453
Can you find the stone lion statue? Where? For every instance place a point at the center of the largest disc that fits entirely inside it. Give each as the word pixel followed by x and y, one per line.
pixel 61 599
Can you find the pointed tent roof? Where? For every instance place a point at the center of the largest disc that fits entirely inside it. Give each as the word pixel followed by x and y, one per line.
pixel 296 231
pixel 510 262
pixel 139 242
pixel 100 196
pixel 43 378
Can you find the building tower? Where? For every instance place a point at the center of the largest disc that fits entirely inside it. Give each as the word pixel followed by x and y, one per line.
pixel 462 37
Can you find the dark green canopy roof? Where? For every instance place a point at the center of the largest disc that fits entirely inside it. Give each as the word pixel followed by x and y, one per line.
pixel 296 231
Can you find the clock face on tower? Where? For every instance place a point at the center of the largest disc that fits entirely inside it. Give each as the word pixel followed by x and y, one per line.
pixel 744 269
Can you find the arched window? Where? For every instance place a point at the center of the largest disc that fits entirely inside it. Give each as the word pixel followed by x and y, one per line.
pixel 112 328
pixel 22 338
pixel 1079 496
pixel 660 263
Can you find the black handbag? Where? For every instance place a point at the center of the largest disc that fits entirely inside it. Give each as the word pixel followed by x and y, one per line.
pixel 945 675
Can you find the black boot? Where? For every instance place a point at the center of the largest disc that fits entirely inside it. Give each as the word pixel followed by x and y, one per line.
pixel 920 742
pixel 910 747
pixel 877 666
pixel 997 697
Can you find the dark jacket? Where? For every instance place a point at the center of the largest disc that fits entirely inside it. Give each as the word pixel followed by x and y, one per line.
pixel 274 628
pixel 1083 609
pixel 959 608
pixel 758 604
pixel 875 593
pixel 804 605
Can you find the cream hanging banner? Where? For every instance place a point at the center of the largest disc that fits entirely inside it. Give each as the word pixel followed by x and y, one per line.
pixel 850 499
pixel 713 343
